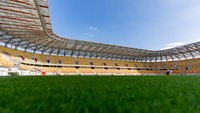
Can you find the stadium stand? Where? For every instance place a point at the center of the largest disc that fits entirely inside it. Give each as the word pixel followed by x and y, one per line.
pixel 50 65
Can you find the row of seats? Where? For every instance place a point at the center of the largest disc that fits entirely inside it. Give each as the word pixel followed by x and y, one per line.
pixel 36 58
pixel 10 57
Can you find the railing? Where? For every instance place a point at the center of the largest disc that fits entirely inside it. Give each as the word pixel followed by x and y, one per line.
pixel 89 66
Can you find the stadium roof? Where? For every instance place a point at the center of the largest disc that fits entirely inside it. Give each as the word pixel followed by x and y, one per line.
pixel 25 25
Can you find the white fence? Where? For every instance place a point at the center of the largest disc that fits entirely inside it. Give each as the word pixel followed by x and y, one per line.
pixel 4 71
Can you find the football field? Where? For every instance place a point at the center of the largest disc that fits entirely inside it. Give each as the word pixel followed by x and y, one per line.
pixel 100 94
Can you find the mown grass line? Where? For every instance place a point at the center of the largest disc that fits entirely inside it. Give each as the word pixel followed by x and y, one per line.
pixel 97 94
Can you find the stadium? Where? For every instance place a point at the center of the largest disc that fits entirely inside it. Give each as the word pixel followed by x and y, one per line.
pixel 28 46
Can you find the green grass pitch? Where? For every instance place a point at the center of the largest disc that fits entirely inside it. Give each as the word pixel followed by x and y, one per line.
pixel 97 94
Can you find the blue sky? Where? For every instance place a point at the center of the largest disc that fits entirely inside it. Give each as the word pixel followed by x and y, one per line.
pixel 147 24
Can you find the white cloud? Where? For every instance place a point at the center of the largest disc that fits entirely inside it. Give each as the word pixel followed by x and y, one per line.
pixel 88 34
pixel 93 28
pixel 172 45
pixel 198 40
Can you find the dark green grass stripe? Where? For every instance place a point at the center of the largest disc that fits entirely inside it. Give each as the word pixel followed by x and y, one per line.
pixel 97 94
